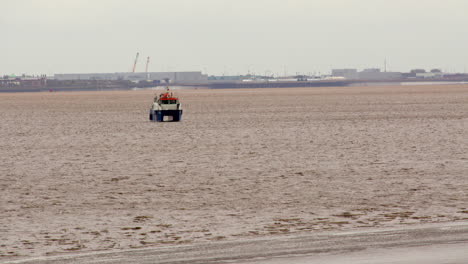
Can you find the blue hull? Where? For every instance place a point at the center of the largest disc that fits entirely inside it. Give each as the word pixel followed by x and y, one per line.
pixel 158 115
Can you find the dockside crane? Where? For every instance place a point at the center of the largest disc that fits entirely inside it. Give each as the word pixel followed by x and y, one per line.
pixel 136 60
pixel 147 62
pixel 146 69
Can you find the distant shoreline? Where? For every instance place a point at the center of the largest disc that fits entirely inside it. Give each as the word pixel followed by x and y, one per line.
pixel 233 85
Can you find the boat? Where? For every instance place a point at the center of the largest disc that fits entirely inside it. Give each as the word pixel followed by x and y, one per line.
pixel 166 107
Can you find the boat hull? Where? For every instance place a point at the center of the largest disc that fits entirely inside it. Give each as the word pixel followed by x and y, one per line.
pixel 172 115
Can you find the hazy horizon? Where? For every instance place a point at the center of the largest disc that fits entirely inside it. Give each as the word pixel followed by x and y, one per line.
pixel 232 37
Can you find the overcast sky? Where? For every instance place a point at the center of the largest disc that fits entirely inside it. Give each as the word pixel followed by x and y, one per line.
pixel 231 36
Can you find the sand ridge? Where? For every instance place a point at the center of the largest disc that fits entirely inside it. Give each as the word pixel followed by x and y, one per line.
pixel 87 171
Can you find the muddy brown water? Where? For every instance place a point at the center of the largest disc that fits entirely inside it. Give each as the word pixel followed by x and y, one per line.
pixel 87 171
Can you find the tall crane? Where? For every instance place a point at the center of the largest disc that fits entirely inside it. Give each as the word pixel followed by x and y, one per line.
pixel 136 60
pixel 147 62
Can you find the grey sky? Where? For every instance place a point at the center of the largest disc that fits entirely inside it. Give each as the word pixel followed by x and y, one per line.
pixel 231 36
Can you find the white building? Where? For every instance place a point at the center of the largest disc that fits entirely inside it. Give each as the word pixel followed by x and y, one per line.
pixel 346 73
pixel 376 74
pixel 429 75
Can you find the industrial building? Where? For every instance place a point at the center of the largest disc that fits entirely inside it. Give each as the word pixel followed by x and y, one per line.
pixel 376 74
pixel 366 74
pixel 172 77
pixel 346 73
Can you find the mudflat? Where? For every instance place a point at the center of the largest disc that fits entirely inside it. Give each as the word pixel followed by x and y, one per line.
pixel 87 171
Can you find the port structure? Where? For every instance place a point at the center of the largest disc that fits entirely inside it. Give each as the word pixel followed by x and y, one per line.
pixel 135 63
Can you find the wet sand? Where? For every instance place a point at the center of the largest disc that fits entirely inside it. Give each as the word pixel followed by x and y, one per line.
pixel 87 171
